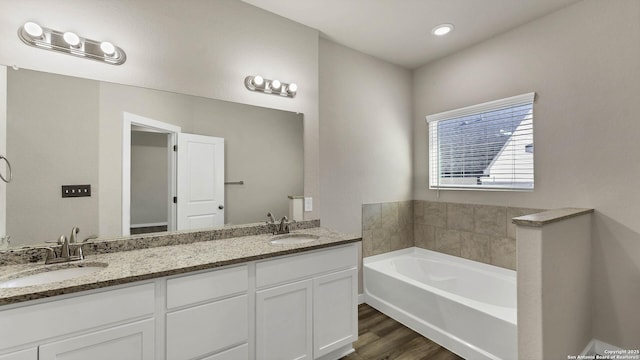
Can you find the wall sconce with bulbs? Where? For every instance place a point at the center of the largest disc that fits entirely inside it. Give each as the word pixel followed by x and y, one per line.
pixel 70 43
pixel 276 87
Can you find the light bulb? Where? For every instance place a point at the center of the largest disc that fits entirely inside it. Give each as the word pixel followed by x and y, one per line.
pixel 33 29
pixel 442 29
pixel 275 85
pixel 293 87
pixel 71 38
pixel 258 80
pixel 107 48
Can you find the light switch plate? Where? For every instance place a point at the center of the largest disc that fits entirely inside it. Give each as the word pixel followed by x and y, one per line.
pixel 308 204
pixel 76 191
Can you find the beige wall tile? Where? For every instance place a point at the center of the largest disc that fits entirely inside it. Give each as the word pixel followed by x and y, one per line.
pixel 371 217
pixel 490 220
pixel 515 212
pixel 448 241
pixel 389 215
pixel 425 236
pixel 460 217
pixel 435 213
pixel 503 253
pixel 381 241
pixel 405 212
pixel 475 247
pixel 418 211
pixel 406 236
pixel 367 243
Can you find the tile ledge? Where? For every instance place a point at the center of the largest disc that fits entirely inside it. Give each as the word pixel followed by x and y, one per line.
pixel 550 216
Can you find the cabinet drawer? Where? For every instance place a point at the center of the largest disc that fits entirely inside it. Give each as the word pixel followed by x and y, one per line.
pixel 210 285
pixel 295 267
pixel 29 354
pixel 239 353
pixel 42 321
pixel 208 328
pixel 126 342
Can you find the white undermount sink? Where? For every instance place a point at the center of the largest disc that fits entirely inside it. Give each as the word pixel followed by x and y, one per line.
pixel 50 274
pixel 293 239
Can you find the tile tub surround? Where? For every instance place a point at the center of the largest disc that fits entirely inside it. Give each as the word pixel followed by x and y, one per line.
pixel 32 254
pixel 143 264
pixel 387 227
pixel 482 233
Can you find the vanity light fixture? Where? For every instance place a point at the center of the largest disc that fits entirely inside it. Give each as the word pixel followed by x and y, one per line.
pixel 276 87
pixel 442 29
pixel 70 43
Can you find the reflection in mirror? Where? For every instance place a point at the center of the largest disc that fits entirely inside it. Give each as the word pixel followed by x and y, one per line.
pixel 63 130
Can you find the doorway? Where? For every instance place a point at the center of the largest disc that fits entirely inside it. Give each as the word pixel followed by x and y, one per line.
pixel 148 180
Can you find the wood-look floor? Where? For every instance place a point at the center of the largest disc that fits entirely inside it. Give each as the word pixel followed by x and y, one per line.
pixel 382 338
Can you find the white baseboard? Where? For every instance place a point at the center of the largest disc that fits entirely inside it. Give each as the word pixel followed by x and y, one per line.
pixel 596 346
pixel 360 299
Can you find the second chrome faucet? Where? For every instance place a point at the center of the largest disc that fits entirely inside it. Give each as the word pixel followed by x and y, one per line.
pixel 282 227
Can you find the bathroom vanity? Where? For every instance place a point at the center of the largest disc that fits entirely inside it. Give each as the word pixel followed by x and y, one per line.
pixel 237 298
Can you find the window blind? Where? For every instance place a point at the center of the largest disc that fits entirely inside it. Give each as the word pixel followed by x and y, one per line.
pixel 486 146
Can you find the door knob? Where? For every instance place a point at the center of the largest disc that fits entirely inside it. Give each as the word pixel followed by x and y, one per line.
pixel 220 207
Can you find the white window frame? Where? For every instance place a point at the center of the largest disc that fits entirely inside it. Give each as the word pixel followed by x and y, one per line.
pixel 434 119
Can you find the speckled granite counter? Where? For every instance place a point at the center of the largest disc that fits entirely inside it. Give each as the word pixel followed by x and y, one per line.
pixel 135 265
pixel 550 216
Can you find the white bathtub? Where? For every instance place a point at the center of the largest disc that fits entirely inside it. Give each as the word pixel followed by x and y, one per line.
pixel 466 306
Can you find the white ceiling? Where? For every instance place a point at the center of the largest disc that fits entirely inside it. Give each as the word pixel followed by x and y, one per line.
pixel 399 31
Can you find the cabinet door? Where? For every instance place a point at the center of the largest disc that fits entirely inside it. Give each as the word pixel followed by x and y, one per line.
pixel 335 311
pixel 207 328
pixel 284 322
pixel 126 342
pixel 29 354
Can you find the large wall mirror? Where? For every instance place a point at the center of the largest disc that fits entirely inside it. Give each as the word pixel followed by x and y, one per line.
pixel 64 130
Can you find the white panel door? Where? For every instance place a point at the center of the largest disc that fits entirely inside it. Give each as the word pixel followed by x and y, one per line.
pixel 127 342
pixel 200 181
pixel 335 311
pixel 283 322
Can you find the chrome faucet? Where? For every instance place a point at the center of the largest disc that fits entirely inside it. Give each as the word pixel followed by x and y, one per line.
pixel 272 220
pixel 282 227
pixel 70 248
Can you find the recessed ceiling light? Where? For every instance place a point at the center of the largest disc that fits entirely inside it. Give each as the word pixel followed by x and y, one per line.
pixel 442 29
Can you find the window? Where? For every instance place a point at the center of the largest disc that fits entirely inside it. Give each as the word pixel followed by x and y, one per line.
pixel 483 147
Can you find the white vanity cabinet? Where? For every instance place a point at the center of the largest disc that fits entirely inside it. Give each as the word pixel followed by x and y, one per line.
pixel 118 322
pixel 299 306
pixel 126 342
pixel 284 322
pixel 27 354
pixel 207 313
pixel 306 305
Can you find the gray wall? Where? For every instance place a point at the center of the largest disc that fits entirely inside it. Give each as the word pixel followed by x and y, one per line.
pixel 47 151
pixel 365 134
pixel 241 40
pixel 149 178
pixel 584 64
pixel 263 148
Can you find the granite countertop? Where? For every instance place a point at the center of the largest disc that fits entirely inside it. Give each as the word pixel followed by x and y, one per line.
pixel 143 264
pixel 550 216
